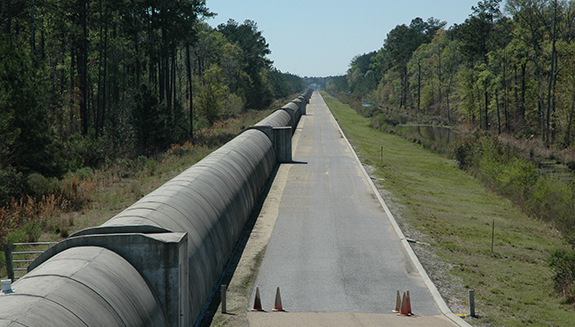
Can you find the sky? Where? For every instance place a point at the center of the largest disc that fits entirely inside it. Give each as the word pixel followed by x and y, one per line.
pixel 318 38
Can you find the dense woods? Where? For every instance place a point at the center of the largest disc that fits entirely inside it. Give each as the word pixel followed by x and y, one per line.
pixel 85 83
pixel 508 68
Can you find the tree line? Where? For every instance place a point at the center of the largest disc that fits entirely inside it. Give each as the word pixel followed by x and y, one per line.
pixel 86 82
pixel 506 69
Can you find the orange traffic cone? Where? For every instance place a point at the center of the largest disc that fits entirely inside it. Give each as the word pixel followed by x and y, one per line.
pixel 278 304
pixel 409 305
pixel 405 309
pixel 258 301
pixel 397 302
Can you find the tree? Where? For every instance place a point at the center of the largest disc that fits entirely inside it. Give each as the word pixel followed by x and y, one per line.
pixel 475 36
pixel 150 122
pixel 254 51
pixel 24 127
pixel 433 68
pixel 540 24
pixel 212 94
pixel 402 41
pixel 361 77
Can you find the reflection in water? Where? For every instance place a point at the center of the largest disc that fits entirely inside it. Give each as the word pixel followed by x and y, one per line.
pixel 438 135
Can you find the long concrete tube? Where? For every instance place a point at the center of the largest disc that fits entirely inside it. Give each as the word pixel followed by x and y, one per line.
pixel 174 242
pixel 83 286
pixel 279 118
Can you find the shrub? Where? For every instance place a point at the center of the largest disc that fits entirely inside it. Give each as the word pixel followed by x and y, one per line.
pixel 85 173
pixel 381 120
pixel 141 160
pixel 33 230
pixel 151 166
pixel 77 188
pixel 16 236
pixel 355 104
pixel 563 265
pixel 463 151
pixel 517 178
pixel 28 233
pixel 233 105
pixel 551 199
pixel 82 150
pixel 11 185
pixel 40 185
pixel 3 223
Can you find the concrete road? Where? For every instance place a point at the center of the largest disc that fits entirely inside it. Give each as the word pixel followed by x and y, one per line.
pixel 333 248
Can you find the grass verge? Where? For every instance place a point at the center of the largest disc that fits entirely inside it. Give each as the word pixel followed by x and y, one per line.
pixel 454 213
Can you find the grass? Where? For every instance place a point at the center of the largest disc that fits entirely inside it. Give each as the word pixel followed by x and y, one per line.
pixel 454 213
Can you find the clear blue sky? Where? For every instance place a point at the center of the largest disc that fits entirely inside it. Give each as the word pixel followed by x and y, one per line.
pixel 320 37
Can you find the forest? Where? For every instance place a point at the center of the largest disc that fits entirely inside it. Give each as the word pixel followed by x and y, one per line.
pixel 508 68
pixel 87 83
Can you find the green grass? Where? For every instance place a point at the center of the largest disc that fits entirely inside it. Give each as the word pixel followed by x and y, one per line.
pixel 454 212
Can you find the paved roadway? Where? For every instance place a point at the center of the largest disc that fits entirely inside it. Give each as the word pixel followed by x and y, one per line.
pixel 333 248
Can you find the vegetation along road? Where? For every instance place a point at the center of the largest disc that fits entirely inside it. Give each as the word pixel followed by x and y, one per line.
pixel 450 214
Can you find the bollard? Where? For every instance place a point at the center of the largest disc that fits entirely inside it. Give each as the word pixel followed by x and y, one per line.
pixel 6 286
pixel 471 299
pixel 223 295
pixel 8 257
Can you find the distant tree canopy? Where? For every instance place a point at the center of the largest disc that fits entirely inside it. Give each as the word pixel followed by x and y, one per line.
pixel 506 70
pixel 254 51
pixel 83 82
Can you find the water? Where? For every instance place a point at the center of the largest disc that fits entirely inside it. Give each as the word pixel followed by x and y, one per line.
pixel 439 135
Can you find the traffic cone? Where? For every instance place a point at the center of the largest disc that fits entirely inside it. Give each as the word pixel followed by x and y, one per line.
pixel 409 305
pixel 405 306
pixel 258 301
pixel 278 304
pixel 397 302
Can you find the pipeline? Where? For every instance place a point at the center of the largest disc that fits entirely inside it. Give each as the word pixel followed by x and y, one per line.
pixel 155 263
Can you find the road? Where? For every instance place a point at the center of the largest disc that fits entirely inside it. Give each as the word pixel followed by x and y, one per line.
pixel 333 249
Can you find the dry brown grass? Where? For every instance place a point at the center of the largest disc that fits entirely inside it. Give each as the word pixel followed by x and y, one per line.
pixel 75 192
pixel 534 149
